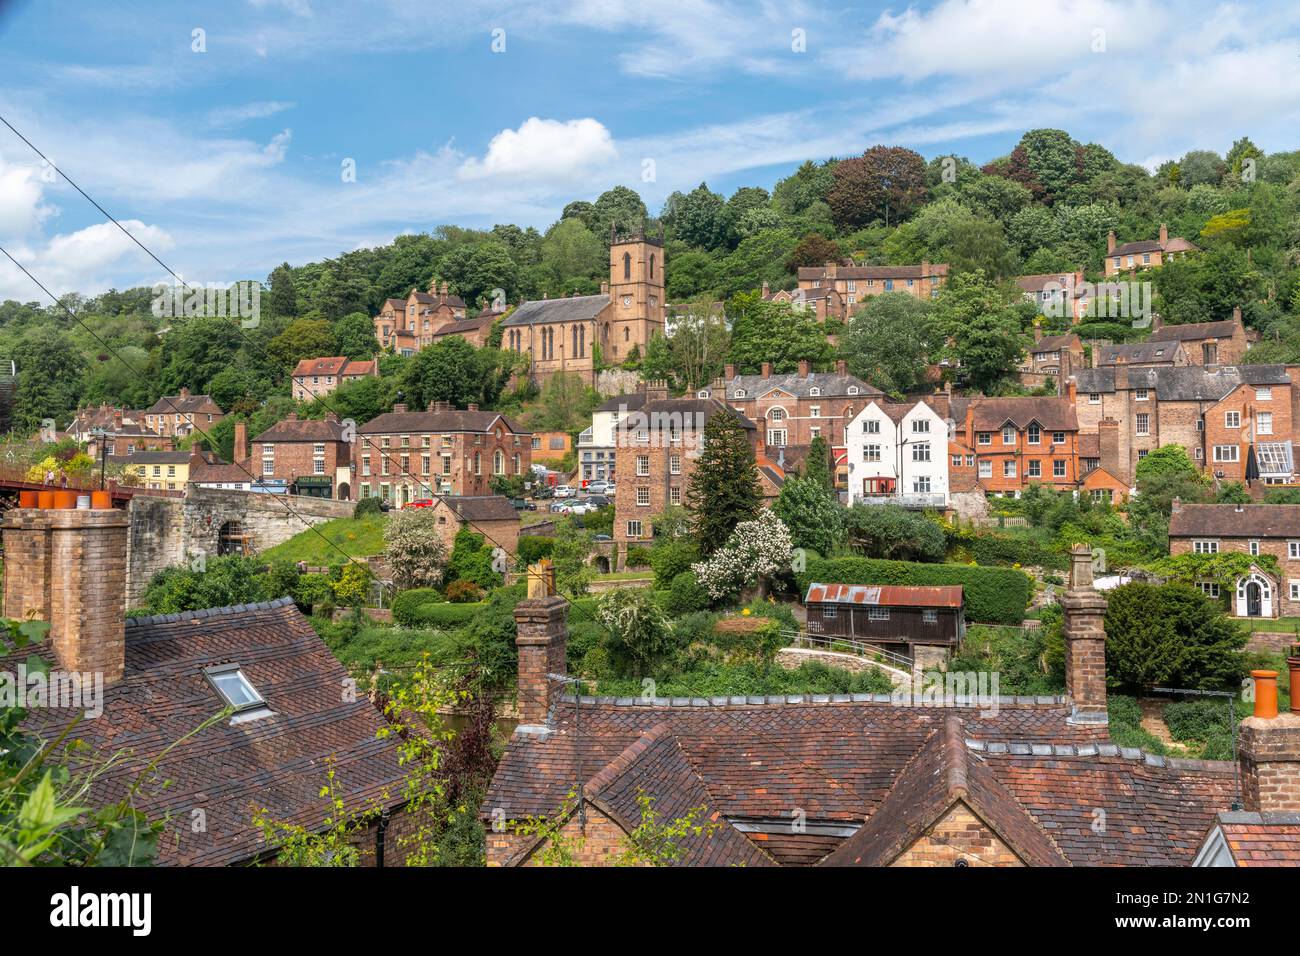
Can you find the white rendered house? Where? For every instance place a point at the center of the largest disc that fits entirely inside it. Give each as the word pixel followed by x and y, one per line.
pixel 898 454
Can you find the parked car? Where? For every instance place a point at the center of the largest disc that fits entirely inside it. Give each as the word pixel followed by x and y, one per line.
pixel 565 491
pixel 580 508
pixel 421 503
pixel 523 504
pixel 610 489
pixel 600 501
pixel 598 487
pixel 560 507
pixel 601 537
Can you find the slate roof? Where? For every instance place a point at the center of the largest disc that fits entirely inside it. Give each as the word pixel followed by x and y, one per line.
pixel 1054 343
pixel 151 458
pixel 633 401
pixel 1137 353
pixel 700 411
pixel 474 508
pixel 438 420
pixel 835 756
pixel 438 300
pixel 462 326
pixel 304 429
pixel 885 595
pixel 276 762
pixel 832 385
pixel 1262 839
pixel 1235 521
pixel 1041 280
pixel 1191 331
pixel 1190 383
pixel 875 272
pixel 578 308
pixel 943 773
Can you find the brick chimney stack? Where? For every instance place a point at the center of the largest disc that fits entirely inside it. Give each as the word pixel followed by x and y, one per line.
pixel 1164 235
pixel 1236 314
pixel 841 367
pixel 767 369
pixel 1108 445
pixel 240 451
pixel 1085 642
pixel 830 270
pixel 729 371
pixel 67 566
pixel 542 623
pixel 805 368
pixel 1110 241
pixel 1268 752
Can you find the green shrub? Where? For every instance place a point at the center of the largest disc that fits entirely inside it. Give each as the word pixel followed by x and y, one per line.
pixel 366 506
pixel 638 556
pixel 406 603
pixel 670 557
pixel 444 615
pixel 686 595
pixel 1125 725
pixel 464 592
pixel 1198 721
pixel 993 595
pixel 534 547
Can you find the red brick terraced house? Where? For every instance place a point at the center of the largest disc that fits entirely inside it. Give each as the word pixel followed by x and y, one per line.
pixel 179 415
pixel 823 303
pixel 874 780
pixel 1018 441
pixel 314 378
pixel 164 676
pixel 1057 293
pixel 309 456
pixel 1052 358
pixel 1252 530
pixel 404 456
pixel 1146 253
pixel 1225 417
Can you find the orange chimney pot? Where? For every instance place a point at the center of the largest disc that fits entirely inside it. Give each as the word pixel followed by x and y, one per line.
pixel 1265 694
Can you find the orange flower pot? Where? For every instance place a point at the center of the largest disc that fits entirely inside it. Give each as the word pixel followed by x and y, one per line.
pixel 28 499
pixel 45 500
pixel 101 500
pixel 65 499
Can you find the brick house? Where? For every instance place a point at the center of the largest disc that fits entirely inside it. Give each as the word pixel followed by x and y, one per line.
pixel 475 331
pixel 658 446
pixel 124 436
pixel 855 284
pixel 407 325
pixel 824 302
pixel 164 676
pixel 1018 441
pixel 563 335
pixel 314 378
pixel 597 445
pixel 900 785
pixel 1052 358
pixel 1251 530
pixel 403 456
pixel 306 456
pixel 178 415
pixel 1146 253
pixel 796 408
pixel 1154 406
pixel 1207 343
pixel 1057 293
pixel 492 516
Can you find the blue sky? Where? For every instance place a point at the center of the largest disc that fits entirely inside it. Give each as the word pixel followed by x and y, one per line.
pixel 228 160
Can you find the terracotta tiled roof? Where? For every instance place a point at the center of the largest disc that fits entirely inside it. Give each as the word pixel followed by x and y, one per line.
pixel 835 757
pixel 1053 343
pixel 1235 521
pixel 1053 414
pixel 875 272
pixel 277 762
pixel 1089 445
pixel 1262 839
pixel 885 595
pixel 943 773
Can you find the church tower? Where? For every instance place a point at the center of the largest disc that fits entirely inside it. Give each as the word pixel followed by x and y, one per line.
pixel 636 295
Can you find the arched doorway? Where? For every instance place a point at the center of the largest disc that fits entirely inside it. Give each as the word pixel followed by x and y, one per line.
pixel 232 539
pixel 1254 596
pixel 345 491
pixel 601 563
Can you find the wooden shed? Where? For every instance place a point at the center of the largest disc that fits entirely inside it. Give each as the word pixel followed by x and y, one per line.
pixel 892 616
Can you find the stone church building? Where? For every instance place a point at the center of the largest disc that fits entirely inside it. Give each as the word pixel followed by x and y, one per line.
pixel 563 335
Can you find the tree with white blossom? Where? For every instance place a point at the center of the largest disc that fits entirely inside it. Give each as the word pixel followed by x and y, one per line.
pixel 756 552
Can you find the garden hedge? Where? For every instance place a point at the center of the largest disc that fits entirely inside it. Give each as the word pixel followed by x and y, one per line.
pixel 408 602
pixel 993 595
pixel 445 615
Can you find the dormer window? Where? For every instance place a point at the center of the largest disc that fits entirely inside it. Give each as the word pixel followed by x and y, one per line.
pixel 853 390
pixel 740 393
pixel 236 691
pixel 814 392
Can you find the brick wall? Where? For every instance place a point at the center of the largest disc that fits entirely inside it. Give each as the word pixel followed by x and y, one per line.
pixel 958 835
pixel 1269 758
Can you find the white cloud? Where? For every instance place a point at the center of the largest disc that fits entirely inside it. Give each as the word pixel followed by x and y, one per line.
pixel 234 115
pixel 545 149
pixel 21 206
pixel 81 261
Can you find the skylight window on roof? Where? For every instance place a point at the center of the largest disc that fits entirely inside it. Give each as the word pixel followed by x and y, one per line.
pixel 235 689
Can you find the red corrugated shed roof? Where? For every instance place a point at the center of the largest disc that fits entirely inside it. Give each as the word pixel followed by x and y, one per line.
pixel 886 595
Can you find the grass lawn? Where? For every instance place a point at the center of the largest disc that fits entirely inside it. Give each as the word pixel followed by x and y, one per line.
pixel 645 575
pixel 1281 625
pixel 359 537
